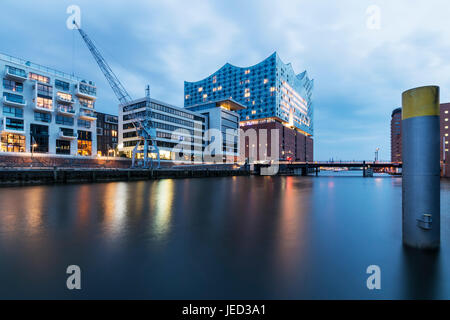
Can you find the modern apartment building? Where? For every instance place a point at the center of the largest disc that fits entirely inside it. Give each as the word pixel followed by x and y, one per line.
pixel 45 111
pixel 396 135
pixel 273 94
pixel 222 116
pixel 175 127
pixel 107 134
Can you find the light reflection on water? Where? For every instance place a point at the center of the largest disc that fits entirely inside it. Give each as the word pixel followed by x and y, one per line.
pixel 237 237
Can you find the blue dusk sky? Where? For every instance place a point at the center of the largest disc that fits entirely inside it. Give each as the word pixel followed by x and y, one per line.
pixel 361 54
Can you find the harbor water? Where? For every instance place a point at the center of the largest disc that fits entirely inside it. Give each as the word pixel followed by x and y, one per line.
pixel 218 238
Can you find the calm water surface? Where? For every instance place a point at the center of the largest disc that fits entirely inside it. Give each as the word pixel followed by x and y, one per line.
pixel 217 238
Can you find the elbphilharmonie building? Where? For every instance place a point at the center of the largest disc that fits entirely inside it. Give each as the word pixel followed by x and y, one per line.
pixel 275 98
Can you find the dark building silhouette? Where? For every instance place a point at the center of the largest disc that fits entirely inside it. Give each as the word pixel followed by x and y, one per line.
pixel 107 134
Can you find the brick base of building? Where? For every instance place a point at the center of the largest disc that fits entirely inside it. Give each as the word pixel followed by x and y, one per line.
pixel 291 145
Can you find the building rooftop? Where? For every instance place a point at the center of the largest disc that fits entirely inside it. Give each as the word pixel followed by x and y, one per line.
pixel 29 64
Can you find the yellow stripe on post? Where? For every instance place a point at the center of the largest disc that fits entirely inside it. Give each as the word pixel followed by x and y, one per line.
pixel 422 101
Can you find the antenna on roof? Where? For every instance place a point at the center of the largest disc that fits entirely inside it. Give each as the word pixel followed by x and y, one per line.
pixel 147 91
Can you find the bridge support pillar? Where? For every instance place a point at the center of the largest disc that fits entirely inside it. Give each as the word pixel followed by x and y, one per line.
pixel 364 169
pixel 421 168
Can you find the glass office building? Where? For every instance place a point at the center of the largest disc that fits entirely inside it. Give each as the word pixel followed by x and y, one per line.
pixel 272 93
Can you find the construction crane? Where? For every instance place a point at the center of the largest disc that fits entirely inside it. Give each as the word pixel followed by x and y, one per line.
pixel 145 130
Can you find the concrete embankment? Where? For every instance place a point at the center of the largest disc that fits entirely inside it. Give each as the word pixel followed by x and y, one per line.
pixel 18 177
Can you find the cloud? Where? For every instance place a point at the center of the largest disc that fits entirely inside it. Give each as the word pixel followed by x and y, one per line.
pixel 359 73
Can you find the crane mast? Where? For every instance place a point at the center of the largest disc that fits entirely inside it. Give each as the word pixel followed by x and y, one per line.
pixel 144 127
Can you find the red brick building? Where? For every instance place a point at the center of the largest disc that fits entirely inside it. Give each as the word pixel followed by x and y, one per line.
pixel 396 137
pixel 292 144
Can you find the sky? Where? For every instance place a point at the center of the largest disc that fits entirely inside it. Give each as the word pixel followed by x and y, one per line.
pixel 362 54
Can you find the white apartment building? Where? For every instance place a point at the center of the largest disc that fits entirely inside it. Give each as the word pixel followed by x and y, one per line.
pixel 45 111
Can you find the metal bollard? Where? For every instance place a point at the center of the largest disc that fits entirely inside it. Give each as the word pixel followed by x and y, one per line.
pixel 421 168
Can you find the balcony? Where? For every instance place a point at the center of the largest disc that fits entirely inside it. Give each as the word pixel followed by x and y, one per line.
pixel 43 107
pixel 14 101
pixel 66 110
pixel 15 74
pixel 12 125
pixel 87 114
pixel 64 97
pixel 86 90
pixel 67 135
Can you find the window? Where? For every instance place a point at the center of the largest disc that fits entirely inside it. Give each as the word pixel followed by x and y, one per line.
pixel 247 71
pixel 62 85
pixel 67 132
pixel 12 142
pixel 39 138
pixel 17 71
pixel 38 77
pixel 44 103
pixel 44 90
pixel 84 143
pixel 13 97
pixel 12 85
pixel 87 89
pixel 64 108
pixel 86 103
pixel 200 89
pixel 99 131
pixel 68 121
pixel 62 147
pixel 266 80
pixel 64 96
pixel 84 123
pixel 14 124
pixel 13 112
pixel 42 116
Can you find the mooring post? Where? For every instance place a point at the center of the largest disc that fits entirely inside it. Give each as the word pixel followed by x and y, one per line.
pixel 421 167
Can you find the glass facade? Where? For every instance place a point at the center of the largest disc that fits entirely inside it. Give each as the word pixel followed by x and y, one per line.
pixel 269 89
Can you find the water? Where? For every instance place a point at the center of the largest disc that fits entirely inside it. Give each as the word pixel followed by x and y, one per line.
pixel 217 238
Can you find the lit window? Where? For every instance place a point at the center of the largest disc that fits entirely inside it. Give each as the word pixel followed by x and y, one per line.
pixel 446 134
pixel 214 89
pixel 205 96
pixel 266 80
pixel 272 89
pixel 253 111
pixel 219 88
pixel 214 79
pixel 446 127
pixel 200 89
pixel 38 77
pixel 446 119
pixel 446 111
pixel 247 71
